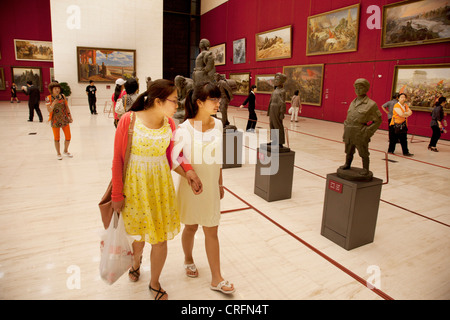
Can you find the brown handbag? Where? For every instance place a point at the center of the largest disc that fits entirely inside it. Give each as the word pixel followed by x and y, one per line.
pixel 105 204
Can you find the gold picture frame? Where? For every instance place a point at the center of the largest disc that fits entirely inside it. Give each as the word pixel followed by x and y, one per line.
pixel 334 31
pixel 274 44
pixel 20 75
pixel 264 83
pixel 219 54
pixel 105 65
pixel 308 79
pixel 242 82
pixel 423 84
pixel 417 22
pixel 33 50
pixel 2 80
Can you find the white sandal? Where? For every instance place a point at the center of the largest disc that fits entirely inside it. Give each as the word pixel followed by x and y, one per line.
pixel 192 268
pixel 224 283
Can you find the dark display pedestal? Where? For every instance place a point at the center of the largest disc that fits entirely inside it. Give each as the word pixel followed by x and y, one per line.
pixel 274 174
pixel 350 211
pixel 232 149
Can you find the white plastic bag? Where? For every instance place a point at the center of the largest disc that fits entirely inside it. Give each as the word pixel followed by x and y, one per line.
pixel 116 251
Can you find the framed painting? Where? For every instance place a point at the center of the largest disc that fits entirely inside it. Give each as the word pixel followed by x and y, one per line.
pixel 242 83
pixel 423 84
pixel 274 44
pixel 31 50
pixel 219 54
pixel 308 79
pixel 410 23
pixel 333 31
pixel 239 51
pixel 52 74
pixel 2 80
pixel 105 65
pixel 20 76
pixel 264 83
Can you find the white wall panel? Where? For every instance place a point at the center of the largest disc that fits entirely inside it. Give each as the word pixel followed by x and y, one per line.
pixel 207 5
pixel 131 24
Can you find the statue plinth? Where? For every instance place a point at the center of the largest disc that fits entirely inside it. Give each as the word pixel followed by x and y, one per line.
pixel 355 174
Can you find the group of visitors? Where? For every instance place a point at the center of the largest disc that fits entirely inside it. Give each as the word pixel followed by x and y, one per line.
pixel 398 113
pixel 294 111
pixel 151 209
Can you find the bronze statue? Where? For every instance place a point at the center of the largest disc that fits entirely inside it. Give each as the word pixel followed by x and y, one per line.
pixel 148 81
pixel 183 86
pixel 363 119
pixel 226 90
pixel 205 68
pixel 276 111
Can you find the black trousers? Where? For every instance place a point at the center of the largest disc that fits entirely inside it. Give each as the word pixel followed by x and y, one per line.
pixel 435 137
pixel 34 107
pixel 251 123
pixel 403 138
pixel 92 105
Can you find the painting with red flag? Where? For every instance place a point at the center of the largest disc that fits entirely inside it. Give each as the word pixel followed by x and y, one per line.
pixel 308 79
pixel 423 84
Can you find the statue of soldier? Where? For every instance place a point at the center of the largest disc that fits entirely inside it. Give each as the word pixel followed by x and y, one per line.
pixel 205 68
pixel 363 119
pixel 225 98
pixel 277 109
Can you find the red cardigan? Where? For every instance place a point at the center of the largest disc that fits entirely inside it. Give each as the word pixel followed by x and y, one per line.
pixel 120 146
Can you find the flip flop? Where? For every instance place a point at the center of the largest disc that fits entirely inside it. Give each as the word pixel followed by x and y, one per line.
pixel 224 283
pixel 192 268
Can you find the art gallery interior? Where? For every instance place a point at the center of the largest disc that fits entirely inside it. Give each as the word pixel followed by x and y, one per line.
pixel 270 249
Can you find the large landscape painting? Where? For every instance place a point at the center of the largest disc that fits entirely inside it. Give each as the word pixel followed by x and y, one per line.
pixel 415 22
pixel 333 32
pixel 21 75
pixel 274 44
pixel 423 84
pixel 32 50
pixel 105 65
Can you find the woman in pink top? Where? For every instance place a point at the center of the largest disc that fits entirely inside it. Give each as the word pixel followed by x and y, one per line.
pixel 146 196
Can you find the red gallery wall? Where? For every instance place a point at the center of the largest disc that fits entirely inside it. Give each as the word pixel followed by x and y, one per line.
pixel 238 19
pixel 27 20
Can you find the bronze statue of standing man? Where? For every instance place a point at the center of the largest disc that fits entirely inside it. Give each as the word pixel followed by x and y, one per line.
pixel 363 119
pixel 277 109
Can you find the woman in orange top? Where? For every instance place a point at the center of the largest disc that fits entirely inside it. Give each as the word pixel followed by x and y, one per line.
pixel 59 118
pixel 399 116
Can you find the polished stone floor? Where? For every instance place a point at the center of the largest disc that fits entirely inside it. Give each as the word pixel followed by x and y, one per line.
pixel 50 224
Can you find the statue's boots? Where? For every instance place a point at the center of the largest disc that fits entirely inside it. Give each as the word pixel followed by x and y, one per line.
pixel 365 171
pixel 348 162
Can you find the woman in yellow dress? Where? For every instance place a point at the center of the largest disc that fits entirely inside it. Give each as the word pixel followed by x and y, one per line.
pixel 146 198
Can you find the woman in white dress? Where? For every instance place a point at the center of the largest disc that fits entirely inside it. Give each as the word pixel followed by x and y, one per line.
pixel 199 137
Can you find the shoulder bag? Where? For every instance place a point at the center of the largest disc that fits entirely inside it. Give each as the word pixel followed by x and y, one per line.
pixel 105 204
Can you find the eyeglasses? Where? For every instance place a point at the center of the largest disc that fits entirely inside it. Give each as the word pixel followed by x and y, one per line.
pixel 173 101
pixel 214 99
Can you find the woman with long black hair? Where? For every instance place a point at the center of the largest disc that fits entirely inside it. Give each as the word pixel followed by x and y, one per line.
pixel 437 116
pixel 146 196
pixel 199 137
